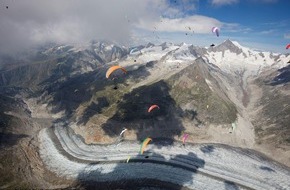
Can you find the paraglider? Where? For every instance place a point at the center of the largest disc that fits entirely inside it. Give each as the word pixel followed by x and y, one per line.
pixel 288 46
pixel 216 31
pixel 128 159
pixel 144 144
pixel 114 68
pixel 153 107
pixel 212 45
pixel 122 132
pixel 185 136
pixel 234 126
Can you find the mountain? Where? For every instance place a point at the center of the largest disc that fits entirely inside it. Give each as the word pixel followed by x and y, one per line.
pixel 226 94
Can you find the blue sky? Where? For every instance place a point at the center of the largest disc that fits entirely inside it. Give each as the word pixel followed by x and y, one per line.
pixel 260 21
pixel 259 24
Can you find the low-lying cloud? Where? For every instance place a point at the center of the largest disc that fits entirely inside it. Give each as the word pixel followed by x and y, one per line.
pixel 29 23
pixel 32 22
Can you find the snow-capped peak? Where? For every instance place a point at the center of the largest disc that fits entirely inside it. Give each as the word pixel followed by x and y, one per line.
pixel 230 56
pixel 228 45
pixel 237 44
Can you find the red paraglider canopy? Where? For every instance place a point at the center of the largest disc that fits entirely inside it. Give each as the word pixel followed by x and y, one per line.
pixel 288 46
pixel 152 107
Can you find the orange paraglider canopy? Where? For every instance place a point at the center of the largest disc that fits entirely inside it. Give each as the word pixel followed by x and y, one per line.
pixel 152 107
pixel 114 68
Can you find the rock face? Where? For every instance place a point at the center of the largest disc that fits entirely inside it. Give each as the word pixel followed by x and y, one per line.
pixel 203 92
pixel 273 105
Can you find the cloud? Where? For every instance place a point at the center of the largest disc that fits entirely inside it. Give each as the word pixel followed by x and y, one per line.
pixel 185 7
pixel 29 23
pixel 223 2
pixel 277 24
pixel 235 28
pixel 197 23
pixel 264 1
pixel 287 36
pixel 271 31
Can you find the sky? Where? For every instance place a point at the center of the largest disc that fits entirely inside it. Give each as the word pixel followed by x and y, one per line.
pixel 258 24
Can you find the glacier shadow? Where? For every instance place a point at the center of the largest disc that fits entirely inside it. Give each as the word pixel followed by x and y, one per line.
pixel 207 149
pixel 142 178
pixel 230 185
pixel 265 168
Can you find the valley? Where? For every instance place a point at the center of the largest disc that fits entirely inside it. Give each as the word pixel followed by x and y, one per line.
pixel 65 117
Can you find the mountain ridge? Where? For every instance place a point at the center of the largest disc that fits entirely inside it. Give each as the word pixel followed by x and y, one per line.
pixel 218 95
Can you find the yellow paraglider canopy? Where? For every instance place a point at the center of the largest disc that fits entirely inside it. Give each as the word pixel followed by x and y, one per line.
pixel 144 144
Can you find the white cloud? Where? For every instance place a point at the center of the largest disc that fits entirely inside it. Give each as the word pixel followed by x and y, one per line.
pixel 287 36
pixel 197 23
pixel 32 22
pixel 264 1
pixel 271 31
pixel 223 2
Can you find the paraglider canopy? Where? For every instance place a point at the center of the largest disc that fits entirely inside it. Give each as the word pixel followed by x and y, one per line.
pixel 153 107
pixel 288 46
pixel 128 159
pixel 144 144
pixel 185 136
pixel 123 131
pixel 113 69
pixel 215 30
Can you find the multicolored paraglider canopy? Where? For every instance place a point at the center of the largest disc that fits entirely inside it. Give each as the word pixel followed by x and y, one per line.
pixel 216 31
pixel 144 144
pixel 153 107
pixel 113 69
